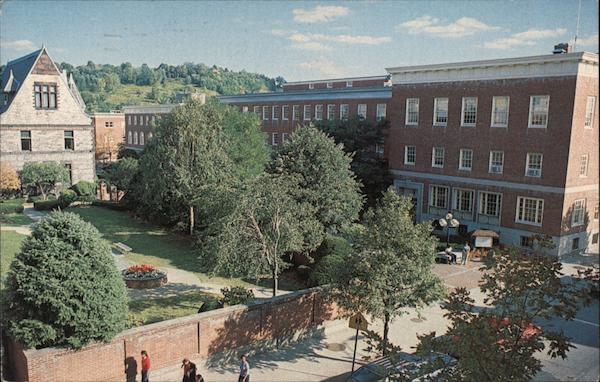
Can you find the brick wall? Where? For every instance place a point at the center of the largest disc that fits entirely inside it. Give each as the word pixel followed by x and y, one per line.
pixel 204 334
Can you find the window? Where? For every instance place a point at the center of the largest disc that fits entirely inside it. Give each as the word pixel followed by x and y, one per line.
pixel 311 86
pixel 437 157
pixel 154 117
pixel 265 113
pixel 534 165
pixel 135 138
pixel 489 203
pixel 529 210
pixel 274 139
pixel 463 200
pixel 362 111
pixel 318 112
pixel 344 111
pixel 108 124
pixel 135 119
pixel 597 211
pixel 578 213
pixel 410 155
pixel 412 111
pixel 526 241
pixel 348 84
pixel 307 112
pixel 469 111
pixel 500 111
pixel 381 111
pixel 256 109
pixel 275 115
pixel 380 148
pixel 285 112
pixel 496 162
pixel 438 196
pixel 25 140
pixel 589 112
pixel 129 139
pixel 331 112
pixel 70 171
pixel 45 96
pixel 440 114
pixel 595 238
pixel 69 140
pixel 466 160
pixel 129 119
pixel 147 119
pixel 538 111
pixel 583 165
pixel 244 110
pixel 329 85
pixel 142 140
pixel 284 137
pixel 575 244
pixel 296 112
pixel 149 135
pixel 5 99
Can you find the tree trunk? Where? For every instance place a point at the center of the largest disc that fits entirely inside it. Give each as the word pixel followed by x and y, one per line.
pixel 191 220
pixel 275 278
pixel 43 193
pixel 386 330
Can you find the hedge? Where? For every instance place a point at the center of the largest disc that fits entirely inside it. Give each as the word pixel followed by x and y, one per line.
pixel 12 206
pixel 66 198
pixel 110 205
pixel 46 205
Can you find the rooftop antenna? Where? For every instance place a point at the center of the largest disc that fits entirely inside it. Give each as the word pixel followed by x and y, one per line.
pixel 577 28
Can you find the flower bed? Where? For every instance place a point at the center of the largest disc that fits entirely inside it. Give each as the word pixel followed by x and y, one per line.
pixel 144 276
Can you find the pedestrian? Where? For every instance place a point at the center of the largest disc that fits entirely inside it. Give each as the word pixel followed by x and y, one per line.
pixel 244 369
pixel 451 254
pixel 145 366
pixel 189 370
pixel 199 378
pixel 465 253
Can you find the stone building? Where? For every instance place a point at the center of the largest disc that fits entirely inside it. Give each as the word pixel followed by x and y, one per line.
pixel 109 130
pixel 43 119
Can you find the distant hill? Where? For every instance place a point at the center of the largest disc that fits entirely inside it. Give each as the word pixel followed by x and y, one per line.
pixel 108 87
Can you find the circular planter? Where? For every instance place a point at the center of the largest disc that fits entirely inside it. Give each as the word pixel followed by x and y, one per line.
pixel 137 280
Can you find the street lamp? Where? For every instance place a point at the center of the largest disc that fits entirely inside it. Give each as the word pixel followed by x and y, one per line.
pixel 448 222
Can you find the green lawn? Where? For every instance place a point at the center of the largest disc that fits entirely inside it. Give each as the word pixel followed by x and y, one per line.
pixel 148 311
pixel 10 244
pixel 158 246
pixel 15 219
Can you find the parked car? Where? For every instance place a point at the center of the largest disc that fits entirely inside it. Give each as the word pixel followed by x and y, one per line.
pixel 414 365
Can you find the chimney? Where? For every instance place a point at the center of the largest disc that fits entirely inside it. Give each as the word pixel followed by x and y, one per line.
pixel 561 48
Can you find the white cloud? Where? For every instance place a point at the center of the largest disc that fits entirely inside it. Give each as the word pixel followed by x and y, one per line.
pixel 311 46
pixel 282 32
pixel 589 41
pixel 527 38
pixel 319 14
pixel 345 39
pixel 325 67
pixel 465 26
pixel 19 45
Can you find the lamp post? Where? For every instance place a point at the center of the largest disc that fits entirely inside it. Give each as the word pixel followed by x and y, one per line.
pixel 448 222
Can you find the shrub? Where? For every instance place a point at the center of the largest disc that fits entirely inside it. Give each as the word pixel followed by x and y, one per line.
pixel 324 268
pixel 210 305
pixel 236 295
pixel 46 205
pixel 143 271
pixel 303 271
pixel 332 245
pixel 66 198
pixel 86 191
pixel 110 205
pixel 12 206
pixel 63 288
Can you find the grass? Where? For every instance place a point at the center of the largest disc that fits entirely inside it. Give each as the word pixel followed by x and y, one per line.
pixel 148 311
pixel 15 219
pixel 160 247
pixel 10 244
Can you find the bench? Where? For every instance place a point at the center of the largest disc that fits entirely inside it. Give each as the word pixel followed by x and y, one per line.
pixel 443 257
pixel 123 248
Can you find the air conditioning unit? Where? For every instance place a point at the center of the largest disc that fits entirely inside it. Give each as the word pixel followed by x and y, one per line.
pixel 496 169
pixel 533 172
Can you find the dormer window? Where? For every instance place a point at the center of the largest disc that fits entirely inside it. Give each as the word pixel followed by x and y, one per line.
pixel 45 96
pixel 5 99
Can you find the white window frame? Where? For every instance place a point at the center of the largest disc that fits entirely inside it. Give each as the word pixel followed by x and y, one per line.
pixel 381 112
pixel 462 112
pixel 256 109
pixel 318 110
pixel 597 211
pixel 436 101
pixel 539 211
pixel 528 163
pixel 347 108
pixel 491 163
pixel 433 151
pixel 349 84
pixel 129 138
pixel 492 122
pixel 311 86
pixel 244 110
pixel 135 137
pixel 530 124
pixel 285 112
pixel 455 199
pixel 265 111
pixel 331 112
pixel 329 85
pixel 480 203
pixel 431 198
pixel 406 162
pixel 274 139
pixel 590 109
pixel 142 139
pixel 583 165
pixel 295 112
pixel 578 213
pixel 284 137
pixel 362 114
pixel 306 113
pixel 274 112
pixel 461 165
pixel 407 116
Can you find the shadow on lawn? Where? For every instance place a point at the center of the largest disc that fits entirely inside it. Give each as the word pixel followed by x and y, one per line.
pixel 169 291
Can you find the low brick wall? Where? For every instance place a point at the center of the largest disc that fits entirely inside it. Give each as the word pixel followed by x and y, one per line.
pixel 205 334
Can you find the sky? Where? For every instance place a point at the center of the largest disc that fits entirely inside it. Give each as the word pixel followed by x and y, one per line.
pixel 297 40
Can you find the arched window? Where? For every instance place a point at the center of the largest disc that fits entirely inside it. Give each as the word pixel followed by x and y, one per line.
pixel 142 138
pixel 149 135
pixel 135 138
pixel 129 137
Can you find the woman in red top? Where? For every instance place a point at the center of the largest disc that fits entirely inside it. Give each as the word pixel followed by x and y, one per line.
pixel 145 366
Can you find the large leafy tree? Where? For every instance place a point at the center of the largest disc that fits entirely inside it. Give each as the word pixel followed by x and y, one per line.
pixel 43 176
pixel 389 269
pixel 9 180
pixel 264 223
pixel 326 179
pixel 63 288
pixel 121 174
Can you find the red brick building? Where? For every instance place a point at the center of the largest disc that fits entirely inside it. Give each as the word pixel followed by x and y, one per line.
pixel 509 145
pixel 303 102
pixel 138 123
pixel 109 129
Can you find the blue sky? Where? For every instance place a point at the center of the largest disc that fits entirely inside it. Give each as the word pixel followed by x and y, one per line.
pixel 299 40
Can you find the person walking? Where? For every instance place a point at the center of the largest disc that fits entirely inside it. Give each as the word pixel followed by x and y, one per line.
pixel 189 370
pixel 244 369
pixel 145 366
pixel 465 253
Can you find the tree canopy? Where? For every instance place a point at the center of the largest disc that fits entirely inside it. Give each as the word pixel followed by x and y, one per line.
pixel 43 176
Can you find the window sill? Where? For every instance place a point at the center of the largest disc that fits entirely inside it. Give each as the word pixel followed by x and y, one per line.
pixel 411 125
pixel 536 127
pixel 439 125
pixel 409 164
pixel 528 223
pixel 468 126
pixel 437 166
pixel 499 126
pixel 465 169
